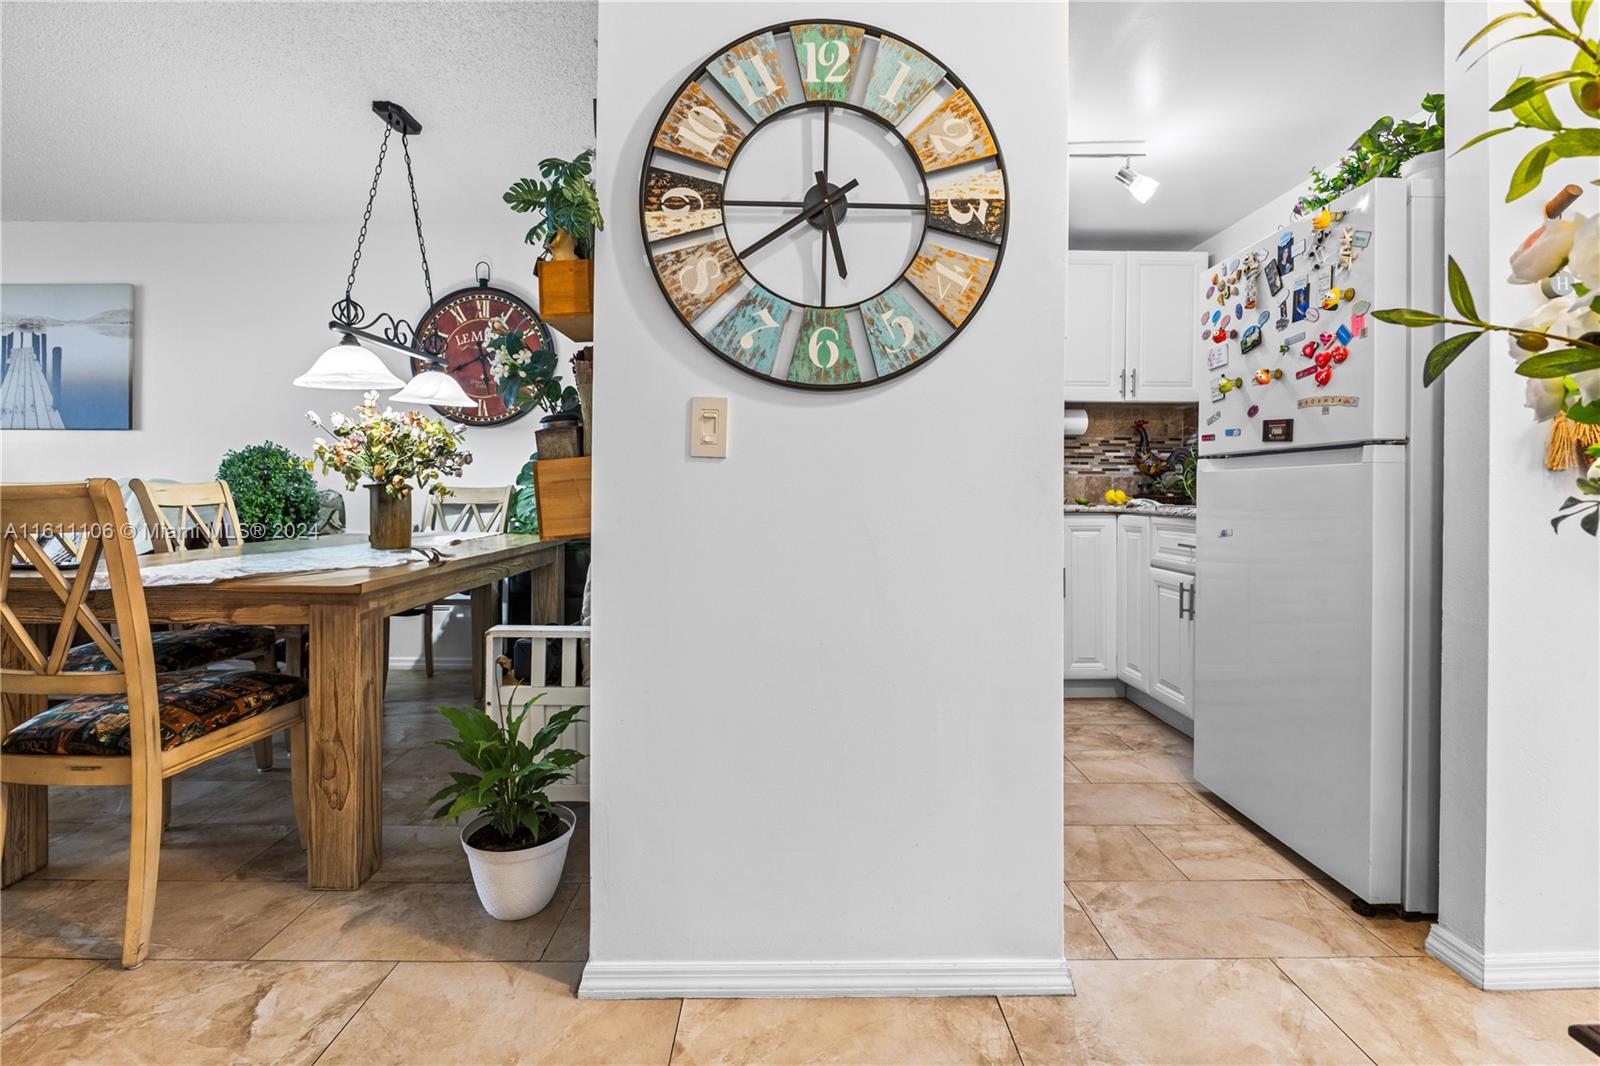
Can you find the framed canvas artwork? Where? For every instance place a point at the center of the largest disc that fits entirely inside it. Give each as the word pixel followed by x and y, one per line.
pixel 66 356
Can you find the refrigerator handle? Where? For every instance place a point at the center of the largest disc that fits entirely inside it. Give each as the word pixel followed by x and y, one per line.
pixel 1135 390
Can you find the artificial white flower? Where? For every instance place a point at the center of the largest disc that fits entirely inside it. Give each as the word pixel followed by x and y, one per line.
pixel 1543 318
pixel 1579 319
pixel 1584 258
pixel 1588 382
pixel 1543 252
pixel 1545 397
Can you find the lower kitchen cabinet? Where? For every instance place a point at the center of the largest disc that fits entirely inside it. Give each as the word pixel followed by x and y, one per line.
pixel 1133 567
pixel 1089 590
pixel 1170 677
pixel 1130 605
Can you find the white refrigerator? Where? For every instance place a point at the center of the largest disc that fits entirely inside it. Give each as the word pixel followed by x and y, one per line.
pixel 1317 583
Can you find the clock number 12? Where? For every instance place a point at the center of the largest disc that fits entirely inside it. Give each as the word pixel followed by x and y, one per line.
pixel 838 67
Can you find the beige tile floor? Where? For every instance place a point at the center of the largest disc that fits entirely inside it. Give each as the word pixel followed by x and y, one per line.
pixel 1195 939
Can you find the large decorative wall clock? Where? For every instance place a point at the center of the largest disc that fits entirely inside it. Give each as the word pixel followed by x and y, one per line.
pixel 462 318
pixel 824 204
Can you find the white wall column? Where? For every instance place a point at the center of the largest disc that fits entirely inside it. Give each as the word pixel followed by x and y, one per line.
pixel 1520 795
pixel 827 708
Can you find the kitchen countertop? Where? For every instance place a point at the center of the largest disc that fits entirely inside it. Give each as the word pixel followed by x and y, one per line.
pixel 1165 510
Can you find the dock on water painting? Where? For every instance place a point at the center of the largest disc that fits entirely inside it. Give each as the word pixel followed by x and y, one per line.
pixel 66 356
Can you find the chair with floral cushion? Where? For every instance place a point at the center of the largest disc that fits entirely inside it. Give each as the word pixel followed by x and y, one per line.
pixel 183 518
pixel 123 724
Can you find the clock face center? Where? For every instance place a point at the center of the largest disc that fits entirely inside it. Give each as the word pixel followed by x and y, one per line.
pixel 839 206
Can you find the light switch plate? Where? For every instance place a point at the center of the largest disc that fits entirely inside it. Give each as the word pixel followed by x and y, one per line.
pixel 708 427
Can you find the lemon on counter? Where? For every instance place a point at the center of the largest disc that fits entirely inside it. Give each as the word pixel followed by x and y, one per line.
pixel 1116 497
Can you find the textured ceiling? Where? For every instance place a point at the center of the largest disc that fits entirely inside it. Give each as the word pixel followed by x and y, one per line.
pixel 260 111
pixel 1237 101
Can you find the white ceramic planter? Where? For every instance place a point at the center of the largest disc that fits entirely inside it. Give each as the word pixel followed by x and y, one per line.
pixel 516 884
pixel 1425 163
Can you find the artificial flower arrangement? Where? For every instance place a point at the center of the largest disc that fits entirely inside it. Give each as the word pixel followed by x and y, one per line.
pixel 1557 346
pixel 524 374
pixel 395 449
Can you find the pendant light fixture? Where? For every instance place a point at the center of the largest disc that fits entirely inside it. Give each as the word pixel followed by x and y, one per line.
pixel 351 364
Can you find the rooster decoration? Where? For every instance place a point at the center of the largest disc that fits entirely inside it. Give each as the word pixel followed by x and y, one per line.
pixel 1150 463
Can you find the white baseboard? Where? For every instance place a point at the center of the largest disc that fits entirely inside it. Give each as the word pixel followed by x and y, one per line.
pixel 1511 971
pixel 764 980
pixel 1108 689
pixel 1177 720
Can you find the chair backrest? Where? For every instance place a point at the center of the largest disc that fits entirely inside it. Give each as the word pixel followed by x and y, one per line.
pixel 184 517
pixel 89 515
pixel 482 510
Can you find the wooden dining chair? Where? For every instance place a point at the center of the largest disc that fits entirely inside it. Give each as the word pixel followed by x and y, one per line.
pixel 465 510
pixel 125 725
pixel 190 517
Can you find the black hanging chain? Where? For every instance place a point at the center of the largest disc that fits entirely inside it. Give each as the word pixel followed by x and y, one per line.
pixel 366 217
pixel 416 214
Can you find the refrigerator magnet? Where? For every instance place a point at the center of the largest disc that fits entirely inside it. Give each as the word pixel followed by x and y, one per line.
pixel 1274 277
pixel 1286 253
pixel 1301 300
pixel 1344 334
pixel 1251 339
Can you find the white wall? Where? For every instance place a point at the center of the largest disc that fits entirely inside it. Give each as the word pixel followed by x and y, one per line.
pixel 225 317
pixel 1520 800
pixel 827 718
pixel 1263 221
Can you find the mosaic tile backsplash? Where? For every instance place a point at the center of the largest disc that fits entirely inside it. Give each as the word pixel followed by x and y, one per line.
pixel 1102 458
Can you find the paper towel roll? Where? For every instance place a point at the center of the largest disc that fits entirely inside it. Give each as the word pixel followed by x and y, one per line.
pixel 1075 422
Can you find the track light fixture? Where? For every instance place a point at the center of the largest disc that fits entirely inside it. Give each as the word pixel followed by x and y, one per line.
pixel 1140 186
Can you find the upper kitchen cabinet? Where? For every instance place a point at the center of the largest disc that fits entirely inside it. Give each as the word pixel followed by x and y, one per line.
pixel 1130 316
pixel 1097 286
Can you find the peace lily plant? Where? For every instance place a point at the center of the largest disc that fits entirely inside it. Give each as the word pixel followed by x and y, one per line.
pixel 1557 346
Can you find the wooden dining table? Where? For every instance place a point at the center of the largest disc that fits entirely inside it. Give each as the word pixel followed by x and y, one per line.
pixel 344 610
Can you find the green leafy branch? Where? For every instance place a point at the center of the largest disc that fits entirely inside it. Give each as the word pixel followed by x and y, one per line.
pixel 1583 353
pixel 1528 101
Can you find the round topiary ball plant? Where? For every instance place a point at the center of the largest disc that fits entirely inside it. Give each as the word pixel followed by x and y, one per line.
pixel 272 489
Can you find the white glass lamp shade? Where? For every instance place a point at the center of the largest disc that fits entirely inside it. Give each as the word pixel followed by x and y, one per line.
pixel 347 365
pixel 1140 186
pixel 434 388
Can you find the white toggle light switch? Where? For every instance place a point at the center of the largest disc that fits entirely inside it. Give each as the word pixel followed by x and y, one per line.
pixel 708 427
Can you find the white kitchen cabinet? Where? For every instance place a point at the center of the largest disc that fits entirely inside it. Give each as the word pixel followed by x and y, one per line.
pixel 1161 288
pixel 1130 325
pixel 1090 593
pixel 1096 326
pixel 1171 640
pixel 1133 613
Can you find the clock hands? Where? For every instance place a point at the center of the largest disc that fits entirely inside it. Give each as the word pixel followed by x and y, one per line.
pixel 832 226
pixel 807 213
pixel 854 205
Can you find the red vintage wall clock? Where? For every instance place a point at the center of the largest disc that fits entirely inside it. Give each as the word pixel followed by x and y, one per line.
pixel 462 319
pixel 824 204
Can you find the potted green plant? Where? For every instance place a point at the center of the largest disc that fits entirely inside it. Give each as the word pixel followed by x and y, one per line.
pixel 517 845
pixel 1388 147
pixel 394 451
pixel 272 490
pixel 568 217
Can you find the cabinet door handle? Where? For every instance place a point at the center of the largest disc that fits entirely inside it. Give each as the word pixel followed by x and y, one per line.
pixel 1122 383
pixel 1185 544
pixel 1135 390
pixel 1183 590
